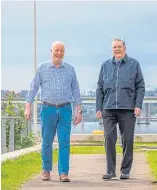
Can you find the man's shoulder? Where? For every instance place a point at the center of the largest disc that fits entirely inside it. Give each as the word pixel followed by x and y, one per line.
pixel 106 62
pixel 68 66
pixel 45 64
pixel 132 60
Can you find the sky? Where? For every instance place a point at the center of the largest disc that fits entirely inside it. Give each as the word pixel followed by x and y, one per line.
pixel 87 29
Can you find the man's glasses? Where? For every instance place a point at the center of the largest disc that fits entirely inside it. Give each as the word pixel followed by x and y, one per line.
pixel 119 47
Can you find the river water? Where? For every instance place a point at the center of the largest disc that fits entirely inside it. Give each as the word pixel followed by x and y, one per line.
pixel 89 127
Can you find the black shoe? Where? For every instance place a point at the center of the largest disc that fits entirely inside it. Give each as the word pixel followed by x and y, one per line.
pixel 124 176
pixel 109 176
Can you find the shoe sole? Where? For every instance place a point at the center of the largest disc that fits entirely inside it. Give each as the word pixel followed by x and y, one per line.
pixel 64 180
pixel 124 178
pixel 46 179
pixel 109 178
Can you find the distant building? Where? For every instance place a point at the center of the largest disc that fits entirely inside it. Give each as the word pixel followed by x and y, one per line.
pixel 4 92
pixel 89 93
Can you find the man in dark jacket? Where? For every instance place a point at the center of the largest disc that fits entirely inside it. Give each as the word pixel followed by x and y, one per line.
pixel 119 96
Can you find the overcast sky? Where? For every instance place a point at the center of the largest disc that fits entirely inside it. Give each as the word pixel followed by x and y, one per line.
pixel 86 28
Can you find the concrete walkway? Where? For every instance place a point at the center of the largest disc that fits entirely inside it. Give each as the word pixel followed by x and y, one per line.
pixel 86 173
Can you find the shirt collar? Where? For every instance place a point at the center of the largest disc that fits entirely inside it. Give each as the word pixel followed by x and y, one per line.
pixel 53 65
pixel 124 59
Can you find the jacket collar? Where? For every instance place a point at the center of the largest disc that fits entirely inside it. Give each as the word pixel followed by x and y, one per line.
pixel 124 59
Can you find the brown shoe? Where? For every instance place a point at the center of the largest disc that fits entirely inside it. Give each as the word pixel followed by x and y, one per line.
pixel 46 176
pixel 64 178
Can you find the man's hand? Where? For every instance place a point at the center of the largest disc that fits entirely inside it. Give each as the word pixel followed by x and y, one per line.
pixel 99 114
pixel 137 112
pixel 28 111
pixel 78 118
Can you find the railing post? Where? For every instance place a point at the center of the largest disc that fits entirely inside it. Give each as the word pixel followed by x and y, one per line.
pixel 29 127
pixel 24 132
pixel 73 111
pixel 82 124
pixel 138 121
pixel 11 135
pixel 26 125
pixel 3 136
pixel 147 109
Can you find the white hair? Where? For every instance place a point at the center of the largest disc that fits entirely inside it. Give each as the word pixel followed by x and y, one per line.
pixel 57 42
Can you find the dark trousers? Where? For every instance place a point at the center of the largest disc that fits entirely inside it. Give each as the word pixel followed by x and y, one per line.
pixel 126 121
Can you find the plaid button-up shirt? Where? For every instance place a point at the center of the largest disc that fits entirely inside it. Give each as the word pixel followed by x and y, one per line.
pixel 58 85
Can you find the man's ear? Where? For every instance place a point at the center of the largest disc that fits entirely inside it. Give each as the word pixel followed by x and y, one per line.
pixel 51 50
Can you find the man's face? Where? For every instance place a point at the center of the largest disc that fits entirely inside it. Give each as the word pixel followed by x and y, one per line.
pixel 57 53
pixel 118 49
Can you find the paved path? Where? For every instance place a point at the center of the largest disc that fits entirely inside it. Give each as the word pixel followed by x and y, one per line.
pixel 86 172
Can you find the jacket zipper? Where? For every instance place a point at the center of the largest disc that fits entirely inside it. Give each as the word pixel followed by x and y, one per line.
pixel 117 85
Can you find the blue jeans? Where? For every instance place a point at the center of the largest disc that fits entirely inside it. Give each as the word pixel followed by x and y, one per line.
pixel 56 119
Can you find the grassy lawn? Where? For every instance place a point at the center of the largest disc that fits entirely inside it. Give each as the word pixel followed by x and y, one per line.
pixel 90 150
pixel 152 161
pixel 16 172
pixel 135 144
pixel 145 144
pixel 96 149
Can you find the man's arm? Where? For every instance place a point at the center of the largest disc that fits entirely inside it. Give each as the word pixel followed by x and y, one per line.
pixel 140 88
pixel 34 87
pixel 76 91
pixel 77 98
pixel 100 92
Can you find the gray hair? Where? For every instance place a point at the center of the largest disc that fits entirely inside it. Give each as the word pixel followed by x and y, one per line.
pixel 118 39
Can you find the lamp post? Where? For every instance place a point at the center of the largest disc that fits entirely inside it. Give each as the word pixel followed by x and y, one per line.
pixel 35 67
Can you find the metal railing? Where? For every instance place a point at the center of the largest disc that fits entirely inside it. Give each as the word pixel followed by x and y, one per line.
pixel 8 132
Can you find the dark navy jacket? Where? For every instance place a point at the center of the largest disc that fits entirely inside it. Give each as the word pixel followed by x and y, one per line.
pixel 120 86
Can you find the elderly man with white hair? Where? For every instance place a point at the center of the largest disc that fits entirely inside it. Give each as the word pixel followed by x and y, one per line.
pixel 59 88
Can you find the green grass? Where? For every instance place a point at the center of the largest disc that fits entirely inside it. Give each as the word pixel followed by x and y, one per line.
pixel 152 161
pixel 90 150
pixel 16 172
pixel 135 144
pixel 95 149
pixel 145 144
